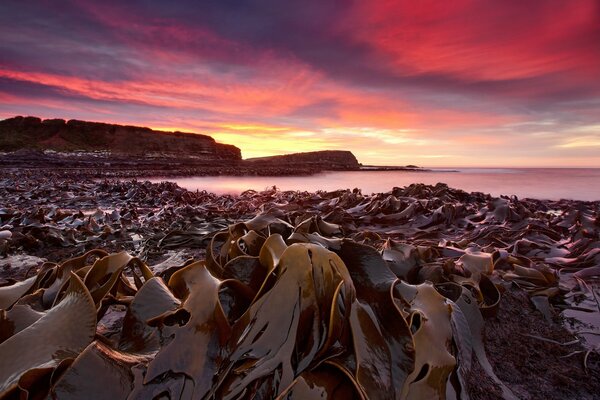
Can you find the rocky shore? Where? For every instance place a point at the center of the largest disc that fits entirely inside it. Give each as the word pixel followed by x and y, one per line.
pixel 100 165
pixel 71 137
pixel 524 264
pixel 99 150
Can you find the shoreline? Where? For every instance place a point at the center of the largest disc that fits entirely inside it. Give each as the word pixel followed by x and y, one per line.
pixel 106 165
pixel 167 225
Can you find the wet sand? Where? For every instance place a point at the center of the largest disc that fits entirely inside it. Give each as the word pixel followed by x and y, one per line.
pixel 540 257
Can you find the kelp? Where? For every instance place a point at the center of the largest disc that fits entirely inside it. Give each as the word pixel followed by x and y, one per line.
pixel 61 333
pixel 276 311
pixel 339 294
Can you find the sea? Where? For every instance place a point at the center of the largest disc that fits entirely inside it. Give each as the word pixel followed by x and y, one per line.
pixel 539 183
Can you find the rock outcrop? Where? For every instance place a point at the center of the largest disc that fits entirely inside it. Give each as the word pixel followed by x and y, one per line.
pixel 32 133
pixel 94 149
pixel 325 160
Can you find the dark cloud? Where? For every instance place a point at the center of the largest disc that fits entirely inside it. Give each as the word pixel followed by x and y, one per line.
pixel 62 39
pixel 318 109
pixel 321 33
pixel 34 90
pixel 436 66
pixel 101 40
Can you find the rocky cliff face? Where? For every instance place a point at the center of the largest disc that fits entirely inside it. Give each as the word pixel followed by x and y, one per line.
pixel 32 133
pixel 91 149
pixel 326 160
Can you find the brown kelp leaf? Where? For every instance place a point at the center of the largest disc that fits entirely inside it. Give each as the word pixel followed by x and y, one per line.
pixel 235 297
pixel 477 262
pixel 230 248
pixel 271 345
pixel 271 251
pixel 192 336
pixel 63 332
pixel 104 274
pixel 467 304
pixel 402 258
pixel 251 243
pixel 530 275
pixel 19 317
pixel 99 372
pixel 63 274
pixel 139 270
pixel 332 244
pixel 214 261
pixel 432 335
pixel 10 294
pixel 184 238
pixel 432 272
pixel 325 382
pixel 490 295
pixel 153 299
pixel 483 290
pixel 371 366
pixel 588 272
pixel 246 269
pixel 463 341
pixel 34 383
pixel 382 341
pixel 169 386
pixel 316 224
pixel 273 221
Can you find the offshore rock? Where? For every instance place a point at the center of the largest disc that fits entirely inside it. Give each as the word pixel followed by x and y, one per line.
pixel 326 159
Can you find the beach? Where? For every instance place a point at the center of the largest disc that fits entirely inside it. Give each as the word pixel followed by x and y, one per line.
pixel 259 200
pixel 530 265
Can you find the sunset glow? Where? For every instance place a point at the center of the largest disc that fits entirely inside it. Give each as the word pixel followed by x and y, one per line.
pixel 463 83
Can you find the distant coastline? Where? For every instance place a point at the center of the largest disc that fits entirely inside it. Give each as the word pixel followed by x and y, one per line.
pixel 407 168
pixel 100 150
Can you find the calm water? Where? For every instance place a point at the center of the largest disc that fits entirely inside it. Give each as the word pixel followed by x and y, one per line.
pixel 547 183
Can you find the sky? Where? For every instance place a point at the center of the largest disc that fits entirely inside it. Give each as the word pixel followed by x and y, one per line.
pixel 432 83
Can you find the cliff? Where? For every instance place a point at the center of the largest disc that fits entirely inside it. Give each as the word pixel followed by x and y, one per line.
pixel 325 160
pixel 30 133
pixel 96 149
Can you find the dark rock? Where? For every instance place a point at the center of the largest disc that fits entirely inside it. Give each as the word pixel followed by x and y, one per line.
pixel 56 134
pixel 95 149
pixel 327 159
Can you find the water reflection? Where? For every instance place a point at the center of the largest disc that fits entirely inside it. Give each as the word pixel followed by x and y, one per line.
pixel 547 183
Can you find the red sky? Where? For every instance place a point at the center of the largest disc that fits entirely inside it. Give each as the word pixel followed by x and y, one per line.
pixel 433 83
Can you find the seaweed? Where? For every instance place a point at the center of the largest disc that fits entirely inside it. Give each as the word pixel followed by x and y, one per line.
pixel 263 317
pixel 294 295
